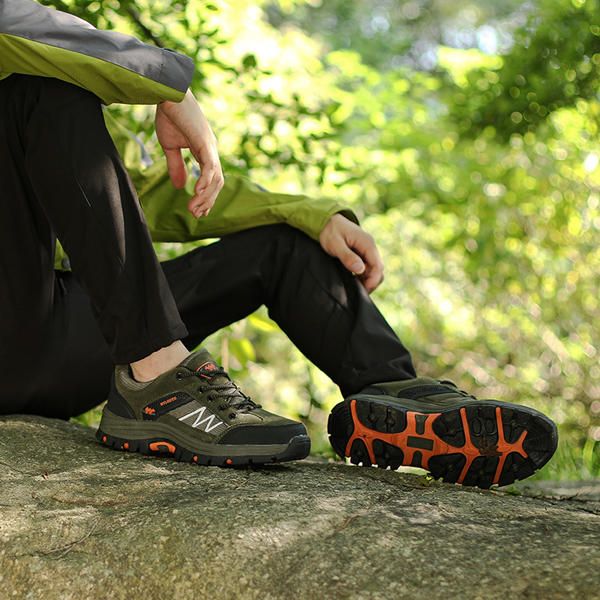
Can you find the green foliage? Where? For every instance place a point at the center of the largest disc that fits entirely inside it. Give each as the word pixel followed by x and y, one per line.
pixel 555 62
pixel 473 162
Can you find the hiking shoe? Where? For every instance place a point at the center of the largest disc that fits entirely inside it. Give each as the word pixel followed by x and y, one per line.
pixel 195 413
pixel 433 425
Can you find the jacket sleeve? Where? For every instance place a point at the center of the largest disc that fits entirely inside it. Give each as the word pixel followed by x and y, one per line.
pixel 240 205
pixel 37 40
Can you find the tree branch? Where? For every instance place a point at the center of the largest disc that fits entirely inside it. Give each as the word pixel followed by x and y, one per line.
pixel 137 19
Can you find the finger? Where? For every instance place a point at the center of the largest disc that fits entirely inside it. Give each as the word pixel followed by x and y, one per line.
pixel 372 281
pixel 365 246
pixel 214 186
pixel 197 211
pixel 373 274
pixel 200 208
pixel 202 187
pixel 197 207
pixel 352 261
pixel 198 203
pixel 207 197
pixel 201 212
pixel 205 178
pixel 176 167
pixel 208 161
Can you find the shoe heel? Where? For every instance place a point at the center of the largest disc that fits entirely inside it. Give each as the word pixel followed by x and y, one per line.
pixel 117 443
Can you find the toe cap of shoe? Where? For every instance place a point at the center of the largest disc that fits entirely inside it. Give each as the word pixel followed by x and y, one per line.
pixel 263 434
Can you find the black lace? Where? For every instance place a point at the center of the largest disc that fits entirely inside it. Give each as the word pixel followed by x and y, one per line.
pixel 230 395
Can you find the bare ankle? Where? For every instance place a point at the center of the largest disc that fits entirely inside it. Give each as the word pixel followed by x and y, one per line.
pixel 157 363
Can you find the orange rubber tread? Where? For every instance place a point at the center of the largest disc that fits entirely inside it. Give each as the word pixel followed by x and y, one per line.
pixel 469 450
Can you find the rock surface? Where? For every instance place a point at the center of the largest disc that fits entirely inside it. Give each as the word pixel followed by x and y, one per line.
pixel 78 520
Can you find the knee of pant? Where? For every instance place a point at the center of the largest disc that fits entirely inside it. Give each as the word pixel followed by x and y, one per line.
pixel 276 231
pixel 293 243
pixel 302 246
pixel 284 240
pixel 292 236
pixel 280 233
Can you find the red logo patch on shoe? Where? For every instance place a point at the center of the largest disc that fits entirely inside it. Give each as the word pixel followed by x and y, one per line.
pixel 161 406
pixel 207 366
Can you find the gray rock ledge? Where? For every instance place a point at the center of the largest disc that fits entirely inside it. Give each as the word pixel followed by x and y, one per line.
pixel 78 520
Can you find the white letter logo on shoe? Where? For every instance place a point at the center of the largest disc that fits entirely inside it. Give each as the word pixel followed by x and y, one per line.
pixel 210 422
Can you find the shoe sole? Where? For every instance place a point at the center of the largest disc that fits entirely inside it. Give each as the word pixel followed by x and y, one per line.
pixel 479 444
pixel 161 440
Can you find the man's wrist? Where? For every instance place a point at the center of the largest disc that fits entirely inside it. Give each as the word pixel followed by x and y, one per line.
pixel 168 104
pixel 329 225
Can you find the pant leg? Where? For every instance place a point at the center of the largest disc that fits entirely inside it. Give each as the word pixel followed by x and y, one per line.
pixel 66 178
pixel 28 286
pixel 322 308
pixel 75 374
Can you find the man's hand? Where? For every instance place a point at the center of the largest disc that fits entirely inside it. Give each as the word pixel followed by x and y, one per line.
pixel 183 125
pixel 355 248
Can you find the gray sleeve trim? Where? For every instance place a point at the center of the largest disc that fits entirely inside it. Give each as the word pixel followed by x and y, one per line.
pixel 30 20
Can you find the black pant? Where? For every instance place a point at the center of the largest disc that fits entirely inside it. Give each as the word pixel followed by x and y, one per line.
pixel 61 333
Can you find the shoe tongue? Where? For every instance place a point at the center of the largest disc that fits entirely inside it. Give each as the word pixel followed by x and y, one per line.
pixel 203 364
pixel 200 362
pixel 418 387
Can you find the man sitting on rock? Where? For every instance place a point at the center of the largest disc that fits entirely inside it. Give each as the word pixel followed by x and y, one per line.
pixel 109 321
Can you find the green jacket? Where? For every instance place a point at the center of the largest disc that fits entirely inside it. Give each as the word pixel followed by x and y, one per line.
pixel 118 68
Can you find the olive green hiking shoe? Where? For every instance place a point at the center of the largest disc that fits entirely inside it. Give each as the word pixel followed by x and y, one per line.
pixel 195 413
pixel 433 425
